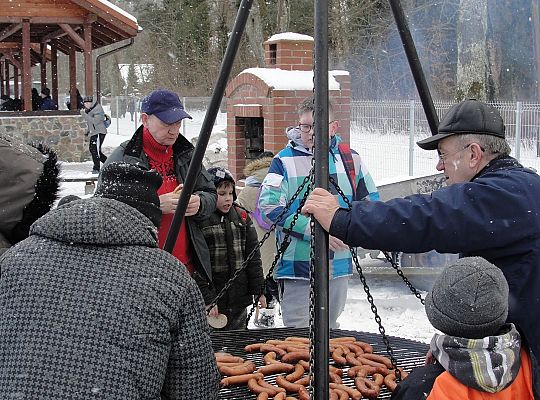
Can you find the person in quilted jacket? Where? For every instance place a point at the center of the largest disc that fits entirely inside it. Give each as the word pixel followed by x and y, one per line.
pixel 91 308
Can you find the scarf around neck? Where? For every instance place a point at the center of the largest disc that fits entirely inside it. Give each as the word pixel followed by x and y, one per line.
pixel 489 364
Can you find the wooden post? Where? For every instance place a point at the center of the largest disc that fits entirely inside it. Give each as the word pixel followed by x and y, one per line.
pixel 72 78
pixel 88 74
pixel 16 82
pixel 54 73
pixel 6 74
pixel 43 63
pixel 2 80
pixel 26 67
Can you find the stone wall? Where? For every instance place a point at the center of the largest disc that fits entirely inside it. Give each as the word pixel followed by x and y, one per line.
pixel 63 131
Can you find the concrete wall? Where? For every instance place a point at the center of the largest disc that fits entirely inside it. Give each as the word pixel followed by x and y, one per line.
pixel 63 131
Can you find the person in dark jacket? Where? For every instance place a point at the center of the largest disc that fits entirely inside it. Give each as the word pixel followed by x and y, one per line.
pixel 477 356
pixel 231 237
pixel 92 308
pixel 36 100
pixel 47 103
pixel 157 144
pixel 489 209
pixel 29 182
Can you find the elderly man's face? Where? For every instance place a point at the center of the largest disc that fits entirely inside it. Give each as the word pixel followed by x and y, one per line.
pixel 163 133
pixel 456 160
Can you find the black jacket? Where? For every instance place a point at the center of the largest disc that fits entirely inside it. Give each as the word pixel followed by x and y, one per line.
pixel 92 309
pixel 132 152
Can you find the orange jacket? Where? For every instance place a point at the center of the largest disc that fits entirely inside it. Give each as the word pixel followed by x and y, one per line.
pixel 447 387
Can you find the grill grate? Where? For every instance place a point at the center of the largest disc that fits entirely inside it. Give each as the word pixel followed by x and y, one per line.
pixel 409 353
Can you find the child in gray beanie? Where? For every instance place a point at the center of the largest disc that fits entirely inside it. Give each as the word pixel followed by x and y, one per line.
pixel 476 355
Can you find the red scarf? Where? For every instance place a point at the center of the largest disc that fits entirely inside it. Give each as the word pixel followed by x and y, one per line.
pixel 160 158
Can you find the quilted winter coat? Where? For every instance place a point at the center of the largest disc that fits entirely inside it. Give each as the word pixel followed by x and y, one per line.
pixel 91 308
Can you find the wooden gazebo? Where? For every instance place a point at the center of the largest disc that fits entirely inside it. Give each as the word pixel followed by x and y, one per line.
pixel 34 31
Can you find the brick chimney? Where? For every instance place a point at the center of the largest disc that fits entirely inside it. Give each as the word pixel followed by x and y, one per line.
pixel 289 51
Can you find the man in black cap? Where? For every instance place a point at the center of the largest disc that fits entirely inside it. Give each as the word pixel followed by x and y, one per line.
pixel 158 145
pixel 490 208
pixel 476 355
pixel 92 308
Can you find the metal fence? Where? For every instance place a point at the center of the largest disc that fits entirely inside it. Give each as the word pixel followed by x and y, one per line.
pixel 385 133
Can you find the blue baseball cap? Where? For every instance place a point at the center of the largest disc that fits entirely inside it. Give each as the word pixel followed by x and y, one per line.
pixel 165 105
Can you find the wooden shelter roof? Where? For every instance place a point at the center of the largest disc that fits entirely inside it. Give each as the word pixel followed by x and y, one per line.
pixel 60 22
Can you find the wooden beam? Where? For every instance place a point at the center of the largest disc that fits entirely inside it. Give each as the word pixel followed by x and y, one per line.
pixel 43 20
pixel 88 71
pixel 54 35
pixel 26 67
pixel 109 14
pixel 10 45
pixel 12 60
pixel 10 30
pixel 73 35
pixel 2 80
pixel 54 73
pixel 6 74
pixel 43 64
pixel 73 78
pixel 16 82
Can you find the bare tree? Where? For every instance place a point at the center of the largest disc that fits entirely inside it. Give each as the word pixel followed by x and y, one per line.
pixel 283 15
pixel 472 54
pixel 255 35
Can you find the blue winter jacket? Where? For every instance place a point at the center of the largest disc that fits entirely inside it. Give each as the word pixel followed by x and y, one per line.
pixel 496 216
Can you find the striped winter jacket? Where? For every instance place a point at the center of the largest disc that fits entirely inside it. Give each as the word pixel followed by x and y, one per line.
pixel 287 172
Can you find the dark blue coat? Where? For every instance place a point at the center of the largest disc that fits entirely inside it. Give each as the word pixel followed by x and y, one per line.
pixel 496 216
pixel 48 104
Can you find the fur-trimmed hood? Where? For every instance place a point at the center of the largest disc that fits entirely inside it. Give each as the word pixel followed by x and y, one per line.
pixel 257 166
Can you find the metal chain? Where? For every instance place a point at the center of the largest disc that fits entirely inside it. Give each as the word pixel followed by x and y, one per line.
pixel 311 287
pixel 370 300
pixel 403 277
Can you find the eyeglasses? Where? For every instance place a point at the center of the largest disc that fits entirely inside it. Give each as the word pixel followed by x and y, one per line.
pixel 444 157
pixel 307 127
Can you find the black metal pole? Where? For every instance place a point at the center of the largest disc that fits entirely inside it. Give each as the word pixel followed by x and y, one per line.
pixel 206 129
pixel 321 334
pixel 414 64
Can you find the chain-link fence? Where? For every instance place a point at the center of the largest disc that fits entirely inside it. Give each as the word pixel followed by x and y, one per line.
pixel 385 134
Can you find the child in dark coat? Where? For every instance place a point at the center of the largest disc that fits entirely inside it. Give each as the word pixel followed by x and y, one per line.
pixel 231 237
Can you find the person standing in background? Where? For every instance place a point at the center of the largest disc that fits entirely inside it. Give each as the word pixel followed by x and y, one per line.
pixel 95 118
pixel 47 103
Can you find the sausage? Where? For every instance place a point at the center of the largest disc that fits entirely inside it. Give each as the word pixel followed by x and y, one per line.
pixel 303 393
pixel 280 396
pixel 356 349
pixel 342 394
pixel 303 381
pixel 365 370
pixel 367 387
pixel 335 378
pixel 253 347
pixel 297 339
pixel 270 358
pixel 239 379
pixel 333 395
pixel 390 382
pixel 265 348
pixel 352 360
pixel 297 374
pixel 228 358
pixel 367 361
pixel 288 386
pixel 276 368
pixel 267 385
pixel 343 339
pixel 254 386
pixel 365 346
pixel 295 356
pixel 353 393
pixel 337 356
pixel 378 379
pixel 246 368
pixel 378 358
pixel 263 396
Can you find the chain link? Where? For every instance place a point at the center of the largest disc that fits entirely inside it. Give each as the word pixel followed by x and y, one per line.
pixel 311 375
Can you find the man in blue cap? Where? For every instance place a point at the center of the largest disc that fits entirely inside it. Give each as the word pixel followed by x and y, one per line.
pixel 157 144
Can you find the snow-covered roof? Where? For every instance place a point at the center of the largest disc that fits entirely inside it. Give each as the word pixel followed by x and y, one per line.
pixel 118 10
pixel 290 80
pixel 290 36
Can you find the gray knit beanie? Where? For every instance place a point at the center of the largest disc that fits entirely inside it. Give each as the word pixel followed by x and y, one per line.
pixel 469 299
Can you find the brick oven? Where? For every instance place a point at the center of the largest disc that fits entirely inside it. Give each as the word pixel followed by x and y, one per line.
pixel 262 102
